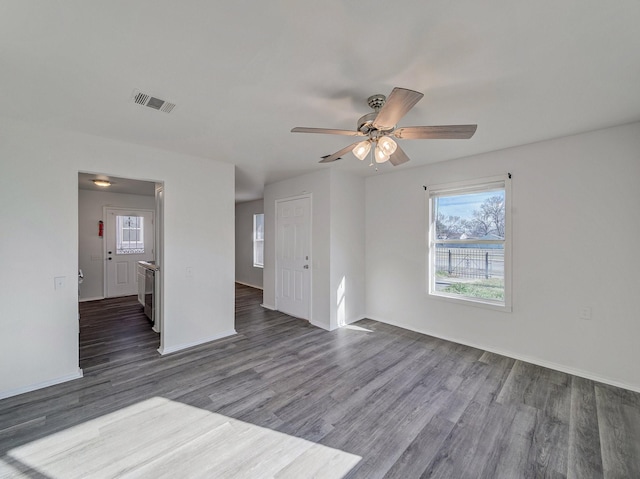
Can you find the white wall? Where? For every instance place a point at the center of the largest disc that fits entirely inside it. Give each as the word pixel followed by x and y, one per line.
pixel 39 241
pixel 90 245
pixel 347 249
pixel 576 204
pixel 337 231
pixel 246 273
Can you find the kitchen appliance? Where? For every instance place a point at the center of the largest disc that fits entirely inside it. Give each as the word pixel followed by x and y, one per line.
pixel 146 288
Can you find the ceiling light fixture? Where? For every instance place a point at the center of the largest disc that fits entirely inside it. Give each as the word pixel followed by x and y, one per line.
pixel 362 149
pixel 387 145
pixel 384 148
pixel 381 124
pixel 103 183
pixel 380 155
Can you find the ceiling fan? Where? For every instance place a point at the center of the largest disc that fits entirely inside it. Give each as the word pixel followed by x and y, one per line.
pixel 380 126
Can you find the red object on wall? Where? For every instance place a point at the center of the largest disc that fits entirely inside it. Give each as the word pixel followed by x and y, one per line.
pixel 100 228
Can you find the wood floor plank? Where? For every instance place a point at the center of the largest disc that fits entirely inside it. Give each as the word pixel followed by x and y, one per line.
pixel 507 460
pixel 538 387
pixel 584 458
pixel 467 449
pixel 420 453
pixel 283 399
pixel 499 371
pixel 549 454
pixel 393 434
pixel 619 426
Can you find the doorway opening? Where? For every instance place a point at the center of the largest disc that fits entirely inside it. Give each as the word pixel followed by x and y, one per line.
pixel 120 233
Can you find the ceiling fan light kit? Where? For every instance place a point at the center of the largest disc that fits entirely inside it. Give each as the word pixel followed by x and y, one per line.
pixel 362 149
pixel 380 125
pixel 387 145
pixel 380 155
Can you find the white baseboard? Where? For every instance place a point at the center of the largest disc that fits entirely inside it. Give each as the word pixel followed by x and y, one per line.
pixel 521 357
pixel 95 298
pixel 268 306
pixel 44 384
pixel 321 326
pixel 250 285
pixel 173 349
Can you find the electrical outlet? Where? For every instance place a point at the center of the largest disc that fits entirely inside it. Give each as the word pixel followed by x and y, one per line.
pixel 585 313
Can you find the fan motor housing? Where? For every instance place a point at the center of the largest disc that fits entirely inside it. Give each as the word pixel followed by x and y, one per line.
pixel 376 101
pixel 364 122
pixel 365 125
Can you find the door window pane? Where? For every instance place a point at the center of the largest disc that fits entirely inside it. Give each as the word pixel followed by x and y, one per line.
pixel 129 235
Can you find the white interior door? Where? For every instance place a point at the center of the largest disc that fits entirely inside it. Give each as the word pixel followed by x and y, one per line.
pixel 129 238
pixel 293 262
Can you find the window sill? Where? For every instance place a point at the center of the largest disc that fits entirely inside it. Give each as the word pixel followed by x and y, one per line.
pixel 505 308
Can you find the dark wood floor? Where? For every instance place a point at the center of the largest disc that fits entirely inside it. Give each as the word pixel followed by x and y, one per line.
pixel 113 332
pixel 285 399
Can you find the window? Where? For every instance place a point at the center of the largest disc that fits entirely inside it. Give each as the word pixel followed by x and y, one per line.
pixel 258 241
pixel 129 235
pixel 470 242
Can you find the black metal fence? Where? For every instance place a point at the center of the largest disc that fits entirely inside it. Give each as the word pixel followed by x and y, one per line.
pixel 475 263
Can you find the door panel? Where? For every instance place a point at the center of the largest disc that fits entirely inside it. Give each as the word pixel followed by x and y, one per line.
pixel 122 273
pixel 293 249
pixel 298 285
pixel 286 291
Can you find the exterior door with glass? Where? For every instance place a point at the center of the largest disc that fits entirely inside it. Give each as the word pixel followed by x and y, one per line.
pixel 129 238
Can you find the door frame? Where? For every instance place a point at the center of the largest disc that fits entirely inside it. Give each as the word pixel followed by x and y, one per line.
pixel 106 232
pixel 282 200
pixel 158 255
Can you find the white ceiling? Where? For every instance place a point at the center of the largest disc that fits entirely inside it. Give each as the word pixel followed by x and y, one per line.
pixel 118 185
pixel 243 73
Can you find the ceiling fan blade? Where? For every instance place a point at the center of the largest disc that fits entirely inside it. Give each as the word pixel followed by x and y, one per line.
pixel 338 154
pixel 446 132
pixel 398 157
pixel 328 131
pixel 399 102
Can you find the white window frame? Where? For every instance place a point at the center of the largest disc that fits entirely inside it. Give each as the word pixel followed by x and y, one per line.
pixel 258 243
pixel 463 187
pixel 120 241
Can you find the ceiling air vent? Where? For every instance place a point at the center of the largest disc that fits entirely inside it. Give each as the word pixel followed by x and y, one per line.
pixel 152 102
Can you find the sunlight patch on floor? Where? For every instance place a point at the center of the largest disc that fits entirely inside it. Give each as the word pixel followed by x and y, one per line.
pixel 358 328
pixel 162 438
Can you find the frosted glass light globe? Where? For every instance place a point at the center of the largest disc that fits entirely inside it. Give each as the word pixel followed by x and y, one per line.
pixel 380 155
pixel 387 145
pixel 362 150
